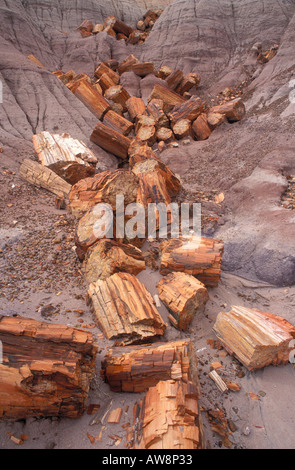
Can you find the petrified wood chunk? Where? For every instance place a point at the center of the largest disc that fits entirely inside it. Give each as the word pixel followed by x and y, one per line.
pixel 137 368
pixel 72 172
pixel 117 94
pixel 135 107
pixel 169 97
pixel 118 25
pixel 174 79
pixel 170 418
pixel 110 140
pixel 155 110
pixel 117 122
pixel 125 310
pixel 200 257
pixel 107 257
pixel 255 338
pixel 43 177
pixel 139 152
pixel 93 100
pixel 104 68
pixel 201 128
pixel 190 109
pixel 127 63
pixel 233 110
pixel 184 296
pixel 46 369
pixel 182 128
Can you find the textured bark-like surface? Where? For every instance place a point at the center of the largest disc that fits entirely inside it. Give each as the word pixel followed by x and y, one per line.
pixel 255 338
pixel 118 25
pixel 139 152
pixel 127 63
pixel 155 110
pixel 200 127
pixel 233 110
pixel 93 100
pixel 52 148
pixel 107 257
pixel 72 172
pixel 110 140
pixel 188 82
pixel 200 258
pixel 174 79
pixel 143 68
pixel 118 94
pixel 104 69
pixel 125 310
pixel 103 187
pixel 184 296
pixel 117 122
pixel 46 369
pixel 103 83
pixel 137 368
pixel 182 128
pixel 191 109
pixel 169 97
pixel 135 107
pixel 170 418
pixel 43 177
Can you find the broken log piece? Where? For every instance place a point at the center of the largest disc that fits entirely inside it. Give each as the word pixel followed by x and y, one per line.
pixel 86 25
pixel 67 77
pixel 129 317
pixel 139 152
pixel 109 30
pixel 218 381
pixel 164 72
pixel 143 68
pixel 92 99
pixel 107 257
pixel 155 110
pixel 170 418
pixel 215 119
pixel 115 415
pixel 169 97
pixel 98 28
pixel 103 68
pixel 137 368
pixel 46 369
pixel 182 128
pixel 135 107
pixel 74 83
pixel 103 188
pixel 255 338
pixel 43 177
pixel 199 257
pixel 189 81
pixel 110 140
pixel 233 110
pixel 174 79
pixel 117 108
pixel 72 172
pixel 118 25
pixel 189 109
pixel 134 37
pixel 105 82
pixel 127 63
pixel 53 148
pixel 200 127
pixel 165 134
pixel 117 122
pixel 118 94
pixel 184 296
pixel 98 88
pixel 140 25
pixel 146 134
pixel 143 120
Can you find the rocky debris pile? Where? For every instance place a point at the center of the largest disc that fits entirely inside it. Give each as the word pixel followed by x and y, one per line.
pixel 120 30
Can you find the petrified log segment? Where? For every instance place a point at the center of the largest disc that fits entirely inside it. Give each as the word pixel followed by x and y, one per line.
pixel 170 418
pixel 169 97
pixel 103 187
pixel 155 110
pixel 52 148
pixel 164 72
pixel 93 100
pixel 139 152
pixel 134 37
pixel 118 25
pixel 109 30
pixel 174 79
pixel 184 296
pixel 201 258
pixel 255 338
pixel 189 81
pixel 146 134
pixel 143 68
pixel 127 63
pixel 233 110
pixel 46 369
pixel 135 107
pixel 107 257
pixel 165 134
pixel 110 140
pixel 125 310
pixel 72 172
pixel 201 128
pixel 117 122
pixel 103 68
pixel 190 109
pixel 105 82
pixel 86 25
pixel 43 177
pixel 118 94
pixel 215 119
pixel 182 128
pixel 137 368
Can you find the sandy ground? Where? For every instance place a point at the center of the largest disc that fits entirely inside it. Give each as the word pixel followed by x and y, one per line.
pixel 39 267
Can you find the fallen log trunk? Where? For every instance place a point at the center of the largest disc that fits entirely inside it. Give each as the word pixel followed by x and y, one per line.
pixel 155 110
pixel 165 134
pixel 170 418
pixel 164 72
pixel 135 107
pixel 110 140
pixel 118 25
pixel 117 94
pixel 182 128
pixel 189 81
pixel 255 338
pixel 190 109
pixel 107 257
pixel 52 148
pixel 92 99
pixel 200 258
pixel 200 127
pixel 103 68
pixel 103 188
pixel 43 177
pixel 86 25
pixel 130 317
pixel 139 152
pixel 215 119
pixel 127 63
pixel 117 122
pixel 134 37
pixel 46 369
pixel 184 296
pixel 169 97
pixel 233 110
pixel 105 82
pixel 143 68
pixel 137 368
pixel 174 79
